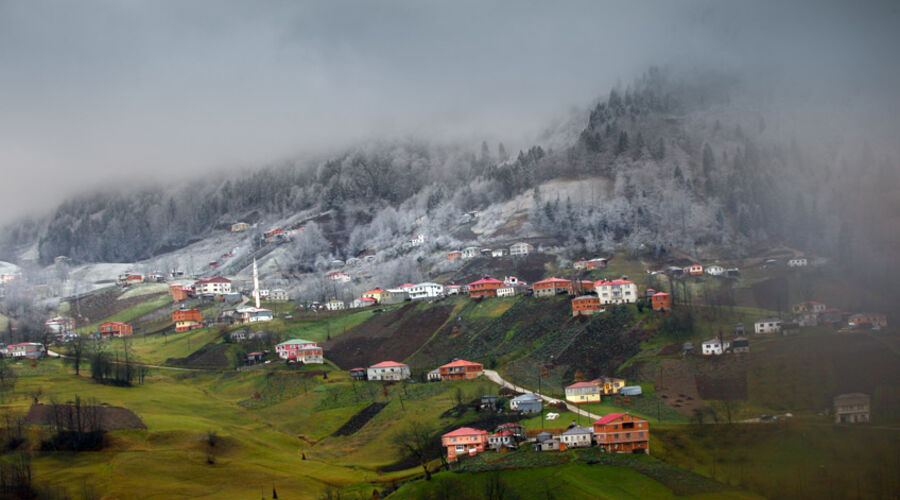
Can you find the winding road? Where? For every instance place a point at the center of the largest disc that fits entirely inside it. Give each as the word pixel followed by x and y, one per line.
pixel 495 377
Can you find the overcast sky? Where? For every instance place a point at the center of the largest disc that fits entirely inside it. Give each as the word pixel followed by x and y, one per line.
pixel 93 92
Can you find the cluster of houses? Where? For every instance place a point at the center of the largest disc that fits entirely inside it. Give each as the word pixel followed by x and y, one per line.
pixel 519 249
pixel 27 350
pixel 700 270
pixel 813 313
pixel 613 433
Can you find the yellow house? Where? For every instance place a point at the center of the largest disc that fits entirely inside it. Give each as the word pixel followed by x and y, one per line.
pixel 593 391
pixel 239 226
pixel 374 294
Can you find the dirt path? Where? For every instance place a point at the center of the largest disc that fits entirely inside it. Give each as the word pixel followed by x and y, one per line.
pixel 495 377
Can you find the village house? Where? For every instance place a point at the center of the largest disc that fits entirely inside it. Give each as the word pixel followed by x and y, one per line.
pixel 455 254
pixel 503 439
pixel 255 357
pixel 425 290
pixel 300 351
pixel 388 370
pixel 180 293
pixel 768 325
pixel 545 441
pixel 453 289
pixel 738 329
pixel 338 276
pixel 526 403
pixel 622 433
pixel 471 252
pixel 740 345
pixel 511 290
pixel 518 430
pixel 592 391
pixel 551 287
pixel 694 270
pixel 31 350
pixel 586 305
pixel 715 270
pixel 733 272
pixel 871 320
pixel 415 241
pixel 60 324
pixel 797 262
pixel 187 319
pixel 335 305
pixel 499 252
pixel 358 373
pixel 486 287
pixel 616 292
pixel 631 390
pixel 460 369
pixel 253 315
pixel 113 329
pixel 214 286
pixel 596 263
pixel 661 301
pixel 576 437
pixel 853 408
pixel 375 293
pixel 394 296
pixel 809 307
pixel 807 319
pixel 520 249
pixel 363 302
pixel 489 401
pixel 279 295
pixel 433 375
pixel 715 346
pixel 464 441
pixel 239 226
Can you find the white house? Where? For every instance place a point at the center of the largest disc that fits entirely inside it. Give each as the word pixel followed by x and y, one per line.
pixel 768 325
pixel 363 302
pixel 304 351
pixel 577 437
pixel 499 252
pixel 427 290
pixel 797 262
pixel 279 295
pixel 388 370
pixel 471 252
pixel 60 324
pixel 335 305
pixel 253 315
pixel 434 375
pixel 520 248
pixel 715 347
pixel 715 270
pixel 216 285
pixel 616 292
pixel 511 290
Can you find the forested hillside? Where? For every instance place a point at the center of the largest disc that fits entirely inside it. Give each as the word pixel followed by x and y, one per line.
pixel 683 167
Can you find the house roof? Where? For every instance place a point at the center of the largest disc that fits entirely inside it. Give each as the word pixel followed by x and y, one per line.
pixel 465 431
pixel 375 290
pixel 580 384
pixel 660 294
pixel 297 341
pixel 388 364
pixel 459 362
pixel 214 279
pixel 585 297
pixel 578 430
pixel 613 282
pixel 504 433
pixel 549 281
pixel 609 418
pixel 486 281
pixel 358 368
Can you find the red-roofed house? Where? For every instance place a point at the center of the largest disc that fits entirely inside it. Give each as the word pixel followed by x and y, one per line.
pixel 622 433
pixel 486 287
pixel 551 286
pixel 503 439
pixel 456 254
pixel 661 301
pixel 591 392
pixel 374 294
pixel 388 370
pixel 363 302
pixel 187 319
pixel 460 369
pixel 114 328
pixel 464 441
pixel 215 286
pixel 694 270
pixel 586 305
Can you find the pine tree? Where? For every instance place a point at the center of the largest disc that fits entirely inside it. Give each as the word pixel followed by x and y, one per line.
pixel 623 143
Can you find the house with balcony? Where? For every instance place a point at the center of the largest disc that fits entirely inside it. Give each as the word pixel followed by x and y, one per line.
pixel 464 441
pixel 388 370
pixel 853 408
pixel 335 305
pixel 216 285
pixel 300 351
pixel 113 329
pixel 486 287
pixel 427 290
pixel 622 433
pixel 460 369
pixel 520 249
pixel 551 287
pixel 619 291
pixel 187 319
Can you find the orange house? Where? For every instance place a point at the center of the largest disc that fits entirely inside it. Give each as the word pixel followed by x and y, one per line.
pixel 661 301
pixel 486 287
pixel 178 292
pixel 187 319
pixel 694 270
pixel 460 369
pixel 551 286
pixel 114 328
pixel 454 255
pixel 622 433
pixel 464 441
pixel 586 305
